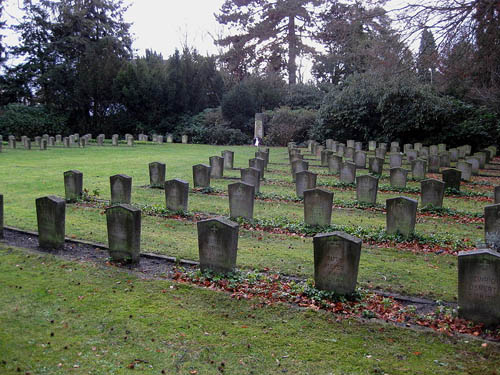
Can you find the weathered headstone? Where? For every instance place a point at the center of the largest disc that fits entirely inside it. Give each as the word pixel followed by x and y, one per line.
pixel 349 153
pixel 324 157
pixel 444 160
pixel 398 177
pixel 348 172
pixel 441 147
pixel 170 138
pixel 217 165
pixel 395 160
pixel 258 163
pixel 228 159
pixel 492 226
pixel 217 244
pixel 334 164
pixel 259 126
pixel 12 142
pixel 360 159
pixel 341 150
pixel 241 200
pixel 336 262
pixel 358 146
pixel 407 147
pixel 433 150
pixel 58 138
pixel 201 175
pixel 297 166
pixel 482 159
pixel 185 139
pixel 121 189
pixel 157 174
pixel 475 164
pixel 51 218
pixel 372 145
pixel 466 170
pixel 376 165
pixel 380 153
pixel 432 193
pixel 479 286
pixel 52 141
pixel 351 143
pixel 73 185
pixel 114 140
pixel 124 233
pixel 318 207
pixel 43 144
pixel 411 155
pixel 401 216
pixel 451 178
pixel 366 189
pixel 251 176
pixel 423 153
pixel 418 169
pixel 304 180
pixel 176 195
pixel 453 155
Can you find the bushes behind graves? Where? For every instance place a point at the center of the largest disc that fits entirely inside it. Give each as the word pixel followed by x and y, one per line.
pixel 284 125
pixel 18 120
pixel 400 108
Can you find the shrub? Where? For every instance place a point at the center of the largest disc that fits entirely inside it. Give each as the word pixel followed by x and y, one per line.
pixel 18 120
pixel 285 125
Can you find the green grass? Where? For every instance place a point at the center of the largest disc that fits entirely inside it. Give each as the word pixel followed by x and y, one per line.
pixel 32 174
pixel 62 317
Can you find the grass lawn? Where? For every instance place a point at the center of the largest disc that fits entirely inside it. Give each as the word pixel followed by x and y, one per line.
pixel 27 175
pixel 62 317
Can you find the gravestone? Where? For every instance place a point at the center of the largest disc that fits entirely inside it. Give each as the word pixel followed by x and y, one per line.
pixel 492 226
pixel 304 180
pixel 1 216
pixel 336 262
pixel 441 147
pixel 324 157
pixel 334 164
pixel 228 159
pixel 51 217
pixel 217 166
pixel 395 149
pixel 201 175
pixel 434 163
pixel 159 140
pixel 351 143
pixel 432 193
pixel 73 185
pixel 482 159
pixel 366 189
pixel 114 140
pixel 130 141
pixel 251 176
pixel 407 147
pixel 157 174
pixel 394 144
pixel 479 286
pixel 297 166
pixel 52 141
pixel 349 153
pixel 453 155
pixel 401 215
pixel 319 149
pixel 100 140
pixel 43 144
pixel 372 145
pixel 417 146
pixel 184 139
pixel 358 146
pixel 376 165
pixel 444 160
pixel 318 207
pixel 341 150
pixel 58 138
pixel 27 143
pixel 263 155
pixel 411 155
pixel 259 126
pixel 38 141
pixel 170 138
pixel 395 160
pixel 258 163
pixel 348 172
pixel 241 200
pixel 360 159
pixel 451 178
pixel 398 177
pixel 466 170
pixel 121 189
pixel 496 195
pixel 217 245
pixel 433 150
pixel 176 195
pixel 383 146
pixel 12 142
pixel 475 164
pixel 423 153
pixel 380 153
pixel 66 142
pixel 124 233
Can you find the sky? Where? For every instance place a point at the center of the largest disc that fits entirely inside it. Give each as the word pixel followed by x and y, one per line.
pixel 162 25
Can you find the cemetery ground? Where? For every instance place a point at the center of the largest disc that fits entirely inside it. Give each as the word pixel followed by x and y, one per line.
pixel 182 328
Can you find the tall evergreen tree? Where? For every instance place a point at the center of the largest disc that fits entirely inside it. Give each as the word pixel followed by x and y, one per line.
pixel 2 25
pixel 270 33
pixel 427 60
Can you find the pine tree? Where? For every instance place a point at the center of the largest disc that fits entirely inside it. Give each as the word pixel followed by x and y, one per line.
pixel 427 60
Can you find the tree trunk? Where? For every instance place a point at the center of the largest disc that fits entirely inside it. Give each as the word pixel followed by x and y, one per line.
pixel 292 51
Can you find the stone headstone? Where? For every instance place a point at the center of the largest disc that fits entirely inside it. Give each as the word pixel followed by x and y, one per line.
pixel 475 164
pixel 318 207
pixel 170 138
pixel 465 169
pixel 258 163
pixel 12 142
pixel 176 195
pixel 366 189
pixel 432 193
pixel 451 178
pixel 351 143
pixel 51 217
pixel 358 146
pixel 130 141
pixel 217 165
pixel 433 150
pixel 348 172
pixel 43 144
pixel 228 159
pixel 453 155
pixel 441 147
pixel 492 226
pixel 217 245
pixel 395 160
pixel 259 126
pixel 376 165
pixel 66 142
pixel 157 174
pixel 114 140
pixel 482 159
pixel 27 143
pixel 241 200
pixel 263 153
pixel 398 177
pixel 496 195
pixel 433 163
pixel 444 160
pixel 58 138
pixel 401 216
pixel 411 155
pixel 124 233
pixel 336 262
pixel 334 164
pixel 479 286
pixel 251 176
pixel 304 180
pixel 349 153
pixel 38 141
pixel 360 159
pixel 52 141
pixel 372 145
pixel 423 153
pixel 417 146
pixel 121 189
pixel 185 139
pixel 201 175
pixel 324 157
pixel 418 169
pixel 298 166
pixel 341 150
pixel 380 153
pixel 407 147
pixel 73 185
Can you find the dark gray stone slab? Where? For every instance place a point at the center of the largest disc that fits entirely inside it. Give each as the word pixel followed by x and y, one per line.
pixel 492 226
pixel 304 180
pixel 124 233
pixel 318 207
pixel 157 173
pixel 51 218
pixel 334 164
pixel 258 163
pixel 121 189
pixel 201 175
pixel 401 215
pixel 366 189
pixel 451 178
pixel 398 177
pixel 348 172
pixel 432 192
pixel 251 176
pixel 176 195
pixel 376 165
pixel 228 159
pixel 73 185
pixel 418 169
pixel 241 200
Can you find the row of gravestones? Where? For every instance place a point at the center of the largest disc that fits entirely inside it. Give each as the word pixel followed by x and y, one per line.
pixel 75 140
pixel 336 255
